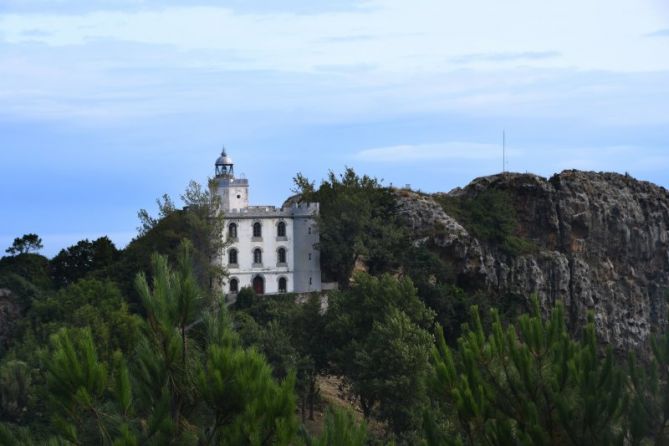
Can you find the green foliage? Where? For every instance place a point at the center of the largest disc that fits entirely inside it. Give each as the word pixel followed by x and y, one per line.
pixel 357 221
pixel 490 216
pixel 379 329
pixel 15 383
pixel 200 221
pixel 188 380
pixel 204 217
pixel 248 406
pixel 23 290
pixel 82 259
pixel 166 208
pixel 89 303
pixel 648 416
pixel 352 313
pixel 32 267
pixel 341 429
pixel 246 298
pixel 25 244
pixel 529 383
pixel 292 338
pixel 76 382
pixel 435 284
pixel 390 367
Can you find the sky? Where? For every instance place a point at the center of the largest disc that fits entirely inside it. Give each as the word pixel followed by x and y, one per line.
pixel 106 105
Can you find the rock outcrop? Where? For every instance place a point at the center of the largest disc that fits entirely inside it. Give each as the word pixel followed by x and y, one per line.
pixel 602 244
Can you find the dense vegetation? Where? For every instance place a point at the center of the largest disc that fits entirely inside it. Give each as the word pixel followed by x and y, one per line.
pixel 489 215
pixel 136 346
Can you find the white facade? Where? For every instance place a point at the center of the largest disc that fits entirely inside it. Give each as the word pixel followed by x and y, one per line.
pixel 274 248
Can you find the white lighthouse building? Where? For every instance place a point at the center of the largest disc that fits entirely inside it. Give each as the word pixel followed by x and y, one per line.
pixel 272 250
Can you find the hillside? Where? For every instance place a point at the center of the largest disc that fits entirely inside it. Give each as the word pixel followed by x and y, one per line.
pixel 491 314
pixel 597 241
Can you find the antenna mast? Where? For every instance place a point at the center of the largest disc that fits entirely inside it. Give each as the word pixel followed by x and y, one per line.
pixel 503 151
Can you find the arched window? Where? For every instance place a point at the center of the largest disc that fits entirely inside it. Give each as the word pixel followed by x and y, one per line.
pixel 257 229
pixel 258 285
pixel 232 257
pixel 309 230
pixel 281 229
pixel 257 256
pixel 232 231
pixel 234 285
pixel 282 255
pixel 283 285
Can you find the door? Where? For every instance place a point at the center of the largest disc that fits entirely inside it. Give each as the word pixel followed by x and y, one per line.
pixel 258 285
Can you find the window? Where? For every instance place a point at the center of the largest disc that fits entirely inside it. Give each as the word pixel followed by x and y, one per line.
pixel 234 285
pixel 309 280
pixel 309 230
pixel 232 257
pixel 282 255
pixel 309 256
pixel 283 285
pixel 232 231
pixel 257 229
pixel 281 229
pixel 257 256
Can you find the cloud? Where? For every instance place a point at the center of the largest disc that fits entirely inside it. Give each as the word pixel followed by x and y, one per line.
pixel 453 150
pixel 659 33
pixel 353 63
pixel 506 57
pixel 244 6
pixel 354 38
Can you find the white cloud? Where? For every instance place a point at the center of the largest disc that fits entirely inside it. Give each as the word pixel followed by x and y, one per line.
pixel 382 58
pixel 453 150
pixel 399 36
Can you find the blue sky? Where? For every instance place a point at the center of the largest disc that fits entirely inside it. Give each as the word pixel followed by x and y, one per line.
pixel 106 105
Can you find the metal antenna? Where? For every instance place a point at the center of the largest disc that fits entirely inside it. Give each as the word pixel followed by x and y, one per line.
pixel 503 151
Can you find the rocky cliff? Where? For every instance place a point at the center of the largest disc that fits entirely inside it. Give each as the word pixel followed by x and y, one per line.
pixel 600 243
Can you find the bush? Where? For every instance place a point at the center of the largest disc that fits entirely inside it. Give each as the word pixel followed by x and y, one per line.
pixel 489 216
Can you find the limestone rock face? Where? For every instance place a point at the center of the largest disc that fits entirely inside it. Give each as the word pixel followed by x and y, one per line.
pixel 603 246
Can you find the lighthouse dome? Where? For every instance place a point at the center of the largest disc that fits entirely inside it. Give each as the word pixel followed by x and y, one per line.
pixel 224 159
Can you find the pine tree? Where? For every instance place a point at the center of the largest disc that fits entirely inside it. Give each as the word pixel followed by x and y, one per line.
pixel 648 416
pixel 340 429
pixel 529 383
pixel 15 383
pixel 189 381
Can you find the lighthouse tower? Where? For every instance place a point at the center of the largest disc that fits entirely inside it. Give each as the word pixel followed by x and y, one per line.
pixel 234 192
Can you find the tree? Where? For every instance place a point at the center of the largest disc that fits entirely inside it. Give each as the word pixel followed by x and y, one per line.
pixel 648 415
pixel 200 221
pixel 82 259
pixel 357 222
pixel 390 368
pixel 189 380
pixel 379 330
pixel 96 304
pixel 206 224
pixel 15 382
pixel 340 429
pixel 25 244
pixel 34 268
pixel 529 383
pixel 166 207
pixel 291 335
